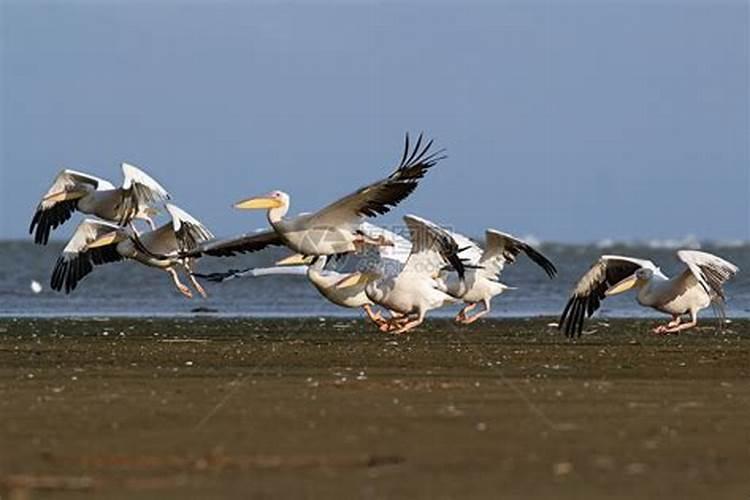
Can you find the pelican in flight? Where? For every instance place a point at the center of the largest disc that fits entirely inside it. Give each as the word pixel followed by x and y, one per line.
pixel 483 268
pixel 325 280
pixel 335 228
pixel 696 288
pixel 416 288
pixel 97 242
pixel 91 195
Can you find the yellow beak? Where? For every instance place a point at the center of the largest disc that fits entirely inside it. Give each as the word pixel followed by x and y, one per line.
pixel 257 203
pixel 295 260
pixel 103 241
pixel 622 286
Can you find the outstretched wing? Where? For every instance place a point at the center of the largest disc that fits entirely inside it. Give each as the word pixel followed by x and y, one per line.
pixel 61 200
pixel 245 243
pixel 590 289
pixel 709 270
pixel 77 260
pixel 379 197
pixel 502 249
pixel 140 190
pixel 432 248
pixel 188 230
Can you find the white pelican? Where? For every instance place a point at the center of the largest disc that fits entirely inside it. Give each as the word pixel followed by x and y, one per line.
pixel 325 280
pixel 334 229
pixel 697 287
pixel 91 195
pixel 96 242
pixel 483 268
pixel 417 288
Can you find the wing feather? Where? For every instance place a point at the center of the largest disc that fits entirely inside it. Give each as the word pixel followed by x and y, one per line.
pixel 710 271
pixel 50 214
pixel 379 197
pixel 432 248
pixel 77 260
pixel 244 243
pixel 502 249
pixel 590 289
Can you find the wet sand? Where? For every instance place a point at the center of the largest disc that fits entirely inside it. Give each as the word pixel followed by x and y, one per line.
pixel 238 408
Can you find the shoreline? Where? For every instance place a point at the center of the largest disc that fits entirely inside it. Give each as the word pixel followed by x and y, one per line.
pixel 230 408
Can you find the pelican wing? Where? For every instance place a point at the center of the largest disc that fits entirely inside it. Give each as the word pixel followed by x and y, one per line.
pixel 710 271
pixel 139 191
pixel 245 243
pixel 502 249
pixel 77 260
pixel 432 249
pixel 189 231
pixel 590 289
pixel 379 197
pixel 469 250
pixel 61 200
pixel 398 252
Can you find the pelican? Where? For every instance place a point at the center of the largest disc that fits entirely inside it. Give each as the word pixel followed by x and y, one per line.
pixel 696 288
pixel 333 229
pixel 91 195
pixel 325 281
pixel 417 287
pixel 96 242
pixel 483 268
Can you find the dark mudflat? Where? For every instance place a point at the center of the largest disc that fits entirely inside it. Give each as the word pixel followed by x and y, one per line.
pixel 224 408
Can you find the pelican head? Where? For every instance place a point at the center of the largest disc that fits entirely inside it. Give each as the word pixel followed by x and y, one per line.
pixel 637 279
pixel 274 199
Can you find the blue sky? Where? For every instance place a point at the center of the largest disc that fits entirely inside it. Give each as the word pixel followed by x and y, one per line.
pixel 572 121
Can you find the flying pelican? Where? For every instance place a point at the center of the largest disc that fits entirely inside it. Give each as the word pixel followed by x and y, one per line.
pixel 416 288
pixel 335 228
pixel 697 287
pixel 324 280
pixel 483 268
pixel 96 242
pixel 91 195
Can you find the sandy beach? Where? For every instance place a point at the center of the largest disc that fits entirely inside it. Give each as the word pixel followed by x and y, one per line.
pixel 329 408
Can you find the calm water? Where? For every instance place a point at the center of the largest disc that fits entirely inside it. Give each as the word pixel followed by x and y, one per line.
pixel 129 289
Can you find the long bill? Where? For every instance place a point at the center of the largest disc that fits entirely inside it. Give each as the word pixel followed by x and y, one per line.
pixel 354 279
pixel 622 286
pixel 258 202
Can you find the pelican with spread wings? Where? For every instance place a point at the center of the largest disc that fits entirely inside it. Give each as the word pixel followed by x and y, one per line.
pixel 325 280
pixel 696 288
pixel 91 195
pixel 335 228
pixel 96 242
pixel 416 288
pixel 483 268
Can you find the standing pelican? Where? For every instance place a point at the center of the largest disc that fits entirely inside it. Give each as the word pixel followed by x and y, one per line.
pixel 96 242
pixel 697 287
pixel 417 288
pixel 483 268
pixel 335 228
pixel 91 195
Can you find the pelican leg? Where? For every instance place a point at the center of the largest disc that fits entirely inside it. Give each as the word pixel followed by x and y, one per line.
pixel 684 326
pixel 394 323
pixel 374 316
pixel 189 270
pixel 471 319
pixel 661 329
pixel 182 288
pixel 411 324
pixel 461 316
